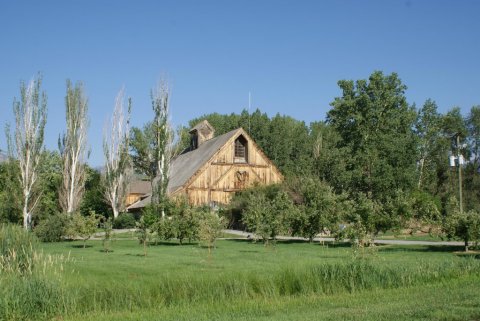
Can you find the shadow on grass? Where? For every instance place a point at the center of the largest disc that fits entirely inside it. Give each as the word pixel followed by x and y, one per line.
pixel 80 246
pixel 137 255
pixel 469 255
pixel 166 243
pixel 329 244
pixel 421 248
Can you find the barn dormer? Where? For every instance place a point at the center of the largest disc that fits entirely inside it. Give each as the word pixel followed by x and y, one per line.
pixel 240 150
pixel 199 134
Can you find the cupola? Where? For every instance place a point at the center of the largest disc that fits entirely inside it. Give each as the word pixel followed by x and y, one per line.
pixel 199 134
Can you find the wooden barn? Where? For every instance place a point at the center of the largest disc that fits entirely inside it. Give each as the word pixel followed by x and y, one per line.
pixel 213 168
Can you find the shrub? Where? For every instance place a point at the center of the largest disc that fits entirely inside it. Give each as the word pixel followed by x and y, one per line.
pixel 52 229
pixel 124 220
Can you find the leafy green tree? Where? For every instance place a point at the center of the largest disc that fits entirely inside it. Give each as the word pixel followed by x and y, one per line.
pixel 428 132
pixel 454 126
pixel 83 226
pixel 462 225
pixel 53 228
pixel 267 211
pixel 10 202
pixel 329 162
pixel 165 229
pixel 50 174
pixel 107 226
pixel 364 221
pixel 152 147
pixel 375 122
pixel 288 145
pixel 320 208
pixel 210 228
pixel 93 199
pixel 425 213
pixel 185 220
pixel 143 233
pixel 473 125
pixel 472 170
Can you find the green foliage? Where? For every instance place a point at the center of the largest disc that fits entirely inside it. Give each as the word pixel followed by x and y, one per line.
pixel 143 233
pixel 425 212
pixel 210 227
pixel 94 197
pixel 186 220
pixel 266 212
pixel 124 220
pixel 464 226
pixel 50 172
pixel 83 226
pixel 320 210
pixel 10 203
pixel 165 229
pixel 107 227
pixel 375 123
pixel 430 145
pixel 53 228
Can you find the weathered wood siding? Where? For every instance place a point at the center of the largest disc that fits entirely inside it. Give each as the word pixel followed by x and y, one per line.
pixel 221 177
pixel 132 198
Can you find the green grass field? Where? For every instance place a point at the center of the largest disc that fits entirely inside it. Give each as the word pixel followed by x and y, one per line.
pixel 247 281
pixel 243 281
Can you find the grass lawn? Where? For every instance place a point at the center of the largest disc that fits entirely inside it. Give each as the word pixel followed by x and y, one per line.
pixel 246 281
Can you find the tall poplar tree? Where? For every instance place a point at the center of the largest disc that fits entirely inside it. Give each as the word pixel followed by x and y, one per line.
pixel 117 160
pixel 162 147
pixel 152 147
pixel 30 119
pixel 73 148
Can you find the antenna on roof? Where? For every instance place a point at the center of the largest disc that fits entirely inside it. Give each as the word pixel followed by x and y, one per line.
pixel 249 105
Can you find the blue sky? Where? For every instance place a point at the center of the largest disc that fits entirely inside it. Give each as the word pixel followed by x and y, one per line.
pixel 288 54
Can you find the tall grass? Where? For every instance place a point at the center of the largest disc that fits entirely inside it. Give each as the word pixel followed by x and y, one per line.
pixel 30 281
pixel 325 279
pixel 40 292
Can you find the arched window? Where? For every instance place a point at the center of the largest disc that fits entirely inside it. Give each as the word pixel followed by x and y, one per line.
pixel 241 150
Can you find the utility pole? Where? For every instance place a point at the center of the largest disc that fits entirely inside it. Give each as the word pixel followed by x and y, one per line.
pixel 460 158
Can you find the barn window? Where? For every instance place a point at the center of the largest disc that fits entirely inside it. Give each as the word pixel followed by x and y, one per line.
pixel 241 150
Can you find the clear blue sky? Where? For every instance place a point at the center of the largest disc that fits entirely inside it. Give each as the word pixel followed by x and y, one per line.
pixel 288 54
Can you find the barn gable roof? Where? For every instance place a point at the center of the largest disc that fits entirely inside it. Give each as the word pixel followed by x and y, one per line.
pixel 187 164
pixel 184 166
